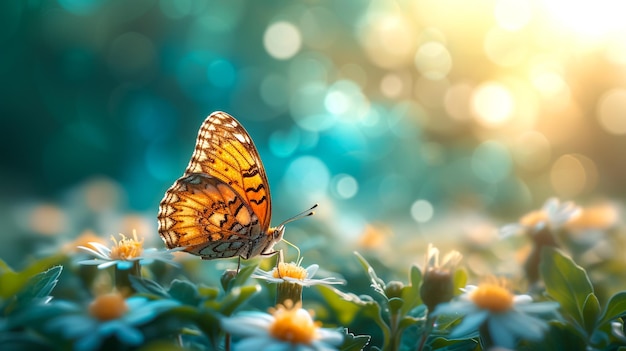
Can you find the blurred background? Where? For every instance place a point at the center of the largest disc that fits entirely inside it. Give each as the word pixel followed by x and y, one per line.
pixel 403 119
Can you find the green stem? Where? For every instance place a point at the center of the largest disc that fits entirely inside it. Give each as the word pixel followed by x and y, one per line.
pixel 394 339
pixel 122 280
pixel 288 291
pixel 430 323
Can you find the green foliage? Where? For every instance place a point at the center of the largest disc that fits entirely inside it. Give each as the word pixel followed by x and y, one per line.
pixel 567 283
pixel 391 314
pixel 203 306
pixel 587 324
pixel 35 290
pixel 353 342
pixel 13 281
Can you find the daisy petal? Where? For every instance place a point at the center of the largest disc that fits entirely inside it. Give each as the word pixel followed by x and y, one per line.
pixel 470 324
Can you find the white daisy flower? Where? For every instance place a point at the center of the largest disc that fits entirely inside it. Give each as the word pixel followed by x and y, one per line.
pixel 125 253
pixel 287 327
pixel 295 274
pixel 554 214
pixel 506 317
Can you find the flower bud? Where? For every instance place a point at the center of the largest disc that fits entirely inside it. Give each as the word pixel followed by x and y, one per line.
pixel 437 287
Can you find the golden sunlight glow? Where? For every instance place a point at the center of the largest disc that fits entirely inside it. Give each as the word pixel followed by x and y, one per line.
pixel 389 40
pixel 492 104
pixel 588 19
pixel 512 15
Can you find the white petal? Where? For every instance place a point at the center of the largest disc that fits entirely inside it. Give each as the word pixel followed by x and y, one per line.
pixel 322 346
pixel 101 248
pixel 107 264
pixel 522 299
pixel 311 270
pixel 469 324
pixel 248 323
pixel 509 230
pixel 499 332
pixel 538 307
pixel 94 252
pixel 519 324
pixel 93 262
pixel 330 336
pixel 454 308
pixel 254 343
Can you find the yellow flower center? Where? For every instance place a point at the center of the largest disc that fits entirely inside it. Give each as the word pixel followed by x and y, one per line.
pixel 126 248
pixel 533 218
pixel 493 297
pixel 293 324
pixel 108 306
pixel 290 270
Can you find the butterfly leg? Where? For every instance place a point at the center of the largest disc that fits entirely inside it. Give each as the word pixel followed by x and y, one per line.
pixel 280 259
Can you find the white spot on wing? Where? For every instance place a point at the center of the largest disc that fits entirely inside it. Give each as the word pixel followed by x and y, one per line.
pixel 242 138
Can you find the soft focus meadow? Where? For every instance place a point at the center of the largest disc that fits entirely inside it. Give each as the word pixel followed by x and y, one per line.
pixel 466 157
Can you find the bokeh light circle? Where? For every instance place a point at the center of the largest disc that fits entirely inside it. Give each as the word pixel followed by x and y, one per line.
pixel 345 185
pixel 433 60
pixel 513 15
pixel 611 111
pixel 422 211
pixel 282 40
pixel 492 104
pixel 307 176
pixel 572 175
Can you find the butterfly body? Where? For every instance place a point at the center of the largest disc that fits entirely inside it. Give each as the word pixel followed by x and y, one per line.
pixel 221 206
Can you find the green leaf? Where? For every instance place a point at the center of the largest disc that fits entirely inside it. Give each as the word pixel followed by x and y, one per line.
pixel 37 288
pixel 376 283
pixel 460 280
pixel 345 307
pixel 566 282
pixel 615 308
pixel 236 297
pixel 395 304
pixel 560 336
pixel 208 292
pixel 411 293
pixel 373 311
pixel 353 342
pixel 242 276
pixel 147 286
pixel 408 321
pixel 41 285
pixel 184 292
pixel 209 322
pixel 591 311
pixel 13 281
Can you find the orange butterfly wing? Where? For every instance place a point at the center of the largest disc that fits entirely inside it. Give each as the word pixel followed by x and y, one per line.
pixel 225 151
pixel 221 207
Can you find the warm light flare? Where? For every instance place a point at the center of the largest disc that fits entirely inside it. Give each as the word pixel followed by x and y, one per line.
pixel 587 19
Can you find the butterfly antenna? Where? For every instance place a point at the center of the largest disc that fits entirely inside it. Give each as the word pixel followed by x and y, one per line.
pixel 303 214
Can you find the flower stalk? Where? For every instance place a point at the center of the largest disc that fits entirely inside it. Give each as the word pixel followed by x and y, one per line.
pixel 122 278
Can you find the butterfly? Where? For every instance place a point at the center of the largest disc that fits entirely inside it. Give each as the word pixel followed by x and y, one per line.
pixel 221 206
